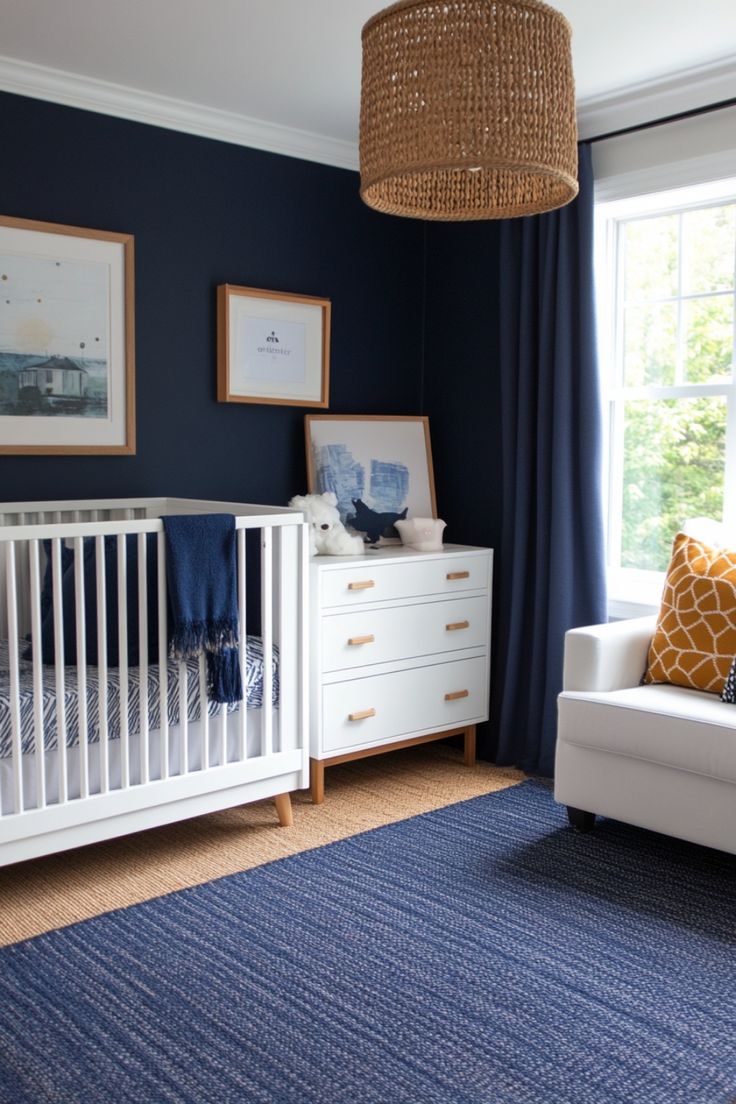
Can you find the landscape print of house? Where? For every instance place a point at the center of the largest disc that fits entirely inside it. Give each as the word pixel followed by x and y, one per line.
pixel 57 379
pixel 52 386
pixel 54 324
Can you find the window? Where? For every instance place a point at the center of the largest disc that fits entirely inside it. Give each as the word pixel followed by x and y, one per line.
pixel 666 271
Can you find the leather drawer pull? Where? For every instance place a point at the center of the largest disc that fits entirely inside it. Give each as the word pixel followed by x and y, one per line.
pixel 370 639
pixel 458 575
pixel 365 585
pixel 362 715
pixel 457 625
pixel 456 694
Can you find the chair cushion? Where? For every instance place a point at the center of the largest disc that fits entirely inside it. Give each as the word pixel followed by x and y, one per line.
pixel 677 727
pixel 695 640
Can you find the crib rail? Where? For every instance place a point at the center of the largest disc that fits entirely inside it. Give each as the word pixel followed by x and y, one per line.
pixel 93 708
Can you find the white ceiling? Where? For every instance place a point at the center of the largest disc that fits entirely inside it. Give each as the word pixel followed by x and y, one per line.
pixel 296 63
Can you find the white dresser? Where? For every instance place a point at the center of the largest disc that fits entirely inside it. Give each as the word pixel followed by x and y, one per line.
pixel 400 651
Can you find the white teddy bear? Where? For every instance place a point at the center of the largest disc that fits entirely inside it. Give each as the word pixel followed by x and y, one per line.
pixel 327 534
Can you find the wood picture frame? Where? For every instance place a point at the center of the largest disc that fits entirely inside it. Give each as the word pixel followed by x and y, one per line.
pixel 67 340
pixel 272 347
pixel 384 460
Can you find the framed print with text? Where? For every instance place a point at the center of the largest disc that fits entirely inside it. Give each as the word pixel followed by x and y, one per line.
pixel 272 347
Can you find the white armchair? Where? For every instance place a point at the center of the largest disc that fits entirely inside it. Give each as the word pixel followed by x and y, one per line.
pixel 661 757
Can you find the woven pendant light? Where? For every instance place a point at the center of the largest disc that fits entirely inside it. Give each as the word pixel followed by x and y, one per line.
pixel 467 110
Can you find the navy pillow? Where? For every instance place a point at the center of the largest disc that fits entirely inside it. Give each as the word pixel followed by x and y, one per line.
pixel 111 603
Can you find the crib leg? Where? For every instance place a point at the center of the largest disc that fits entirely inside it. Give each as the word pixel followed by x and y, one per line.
pixel 284 810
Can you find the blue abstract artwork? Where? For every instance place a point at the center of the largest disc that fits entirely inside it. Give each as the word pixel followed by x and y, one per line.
pixel 383 462
pixel 389 487
pixel 337 470
pixel 386 489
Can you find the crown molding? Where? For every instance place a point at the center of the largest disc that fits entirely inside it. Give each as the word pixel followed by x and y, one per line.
pixel 656 99
pixel 42 83
pixel 630 106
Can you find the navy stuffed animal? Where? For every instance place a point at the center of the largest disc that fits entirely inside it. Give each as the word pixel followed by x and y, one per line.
pixel 374 525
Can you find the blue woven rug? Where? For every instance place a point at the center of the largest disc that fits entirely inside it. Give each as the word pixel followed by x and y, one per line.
pixel 480 953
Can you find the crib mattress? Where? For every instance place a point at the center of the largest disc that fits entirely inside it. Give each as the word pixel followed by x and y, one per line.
pixel 253 691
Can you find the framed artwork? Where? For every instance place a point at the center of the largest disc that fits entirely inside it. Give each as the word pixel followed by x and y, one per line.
pixel 384 462
pixel 67 371
pixel 272 347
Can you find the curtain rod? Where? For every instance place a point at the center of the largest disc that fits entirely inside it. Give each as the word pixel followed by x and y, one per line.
pixel 665 119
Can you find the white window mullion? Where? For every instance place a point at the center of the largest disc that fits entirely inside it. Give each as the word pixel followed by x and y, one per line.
pixel 616 390
pixel 729 490
pixel 679 332
pixel 729 494
pixel 616 483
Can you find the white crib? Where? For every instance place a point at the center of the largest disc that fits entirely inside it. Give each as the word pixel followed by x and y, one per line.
pixel 129 741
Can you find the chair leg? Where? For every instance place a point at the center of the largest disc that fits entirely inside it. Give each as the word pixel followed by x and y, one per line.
pixel 580 819
pixel 283 810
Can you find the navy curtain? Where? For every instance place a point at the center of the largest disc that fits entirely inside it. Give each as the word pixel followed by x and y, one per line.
pixel 551 575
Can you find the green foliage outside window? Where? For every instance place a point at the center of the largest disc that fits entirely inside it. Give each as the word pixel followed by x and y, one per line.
pixel 674 452
pixel 678 330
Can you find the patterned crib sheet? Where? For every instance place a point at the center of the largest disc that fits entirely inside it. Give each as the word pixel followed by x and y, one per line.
pixel 253 690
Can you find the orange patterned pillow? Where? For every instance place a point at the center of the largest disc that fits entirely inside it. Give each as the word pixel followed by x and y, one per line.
pixel 695 640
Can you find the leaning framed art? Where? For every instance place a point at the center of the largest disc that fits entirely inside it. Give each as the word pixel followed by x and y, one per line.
pixel 381 461
pixel 272 347
pixel 67 372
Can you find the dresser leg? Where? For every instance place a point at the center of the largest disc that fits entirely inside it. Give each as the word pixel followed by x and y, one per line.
pixel 317 778
pixel 470 746
pixel 284 810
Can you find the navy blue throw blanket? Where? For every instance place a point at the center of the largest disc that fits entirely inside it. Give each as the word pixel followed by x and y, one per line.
pixel 203 602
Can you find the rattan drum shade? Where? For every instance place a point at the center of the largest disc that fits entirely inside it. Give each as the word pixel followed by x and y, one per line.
pixel 467 110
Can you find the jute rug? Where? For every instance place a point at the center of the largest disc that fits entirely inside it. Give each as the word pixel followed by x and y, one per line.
pixel 51 892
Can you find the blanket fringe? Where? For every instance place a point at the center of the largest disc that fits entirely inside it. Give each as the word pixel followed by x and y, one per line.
pixel 194 637
pixel 224 682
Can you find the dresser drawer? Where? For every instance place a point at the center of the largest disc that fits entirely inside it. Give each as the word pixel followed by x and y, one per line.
pixel 362 637
pixel 378 582
pixel 383 708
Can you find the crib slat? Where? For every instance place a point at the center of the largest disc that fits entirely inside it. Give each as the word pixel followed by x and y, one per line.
pixel 163 663
pixel 288 620
pixel 59 671
pixel 143 655
pixel 242 634
pixel 102 665
pixel 267 637
pixel 123 660
pixel 183 718
pixel 204 714
pixel 81 667
pixel 222 734
pixel 39 748
pixel 12 599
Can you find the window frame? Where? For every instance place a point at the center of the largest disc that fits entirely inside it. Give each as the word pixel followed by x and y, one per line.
pixel 633 591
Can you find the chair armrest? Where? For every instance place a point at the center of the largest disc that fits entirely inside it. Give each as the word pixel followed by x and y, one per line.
pixel 607 657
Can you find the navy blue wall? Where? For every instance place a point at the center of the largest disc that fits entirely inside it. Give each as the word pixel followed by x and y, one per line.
pixel 461 391
pixel 205 213
pixel 460 377
pixel 414 311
